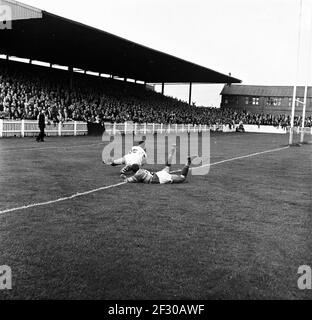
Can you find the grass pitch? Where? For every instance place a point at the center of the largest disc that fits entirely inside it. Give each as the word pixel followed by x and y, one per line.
pixel 241 232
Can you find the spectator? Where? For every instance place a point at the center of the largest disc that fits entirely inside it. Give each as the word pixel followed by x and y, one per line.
pixel 25 90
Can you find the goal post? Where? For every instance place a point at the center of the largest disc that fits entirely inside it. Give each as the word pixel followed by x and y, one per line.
pixel 295 101
pixel 292 119
pixel 302 135
pixel 304 113
pixel 293 106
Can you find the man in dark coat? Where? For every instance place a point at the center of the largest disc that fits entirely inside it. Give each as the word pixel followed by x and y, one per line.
pixel 41 125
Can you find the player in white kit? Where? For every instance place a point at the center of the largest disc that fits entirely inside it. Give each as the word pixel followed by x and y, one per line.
pixel 161 177
pixel 136 156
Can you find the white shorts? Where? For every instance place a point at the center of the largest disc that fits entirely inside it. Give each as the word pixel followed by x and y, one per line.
pixel 131 159
pixel 164 176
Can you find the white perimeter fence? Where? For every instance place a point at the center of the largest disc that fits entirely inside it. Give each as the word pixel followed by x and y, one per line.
pixel 28 128
pixel 115 128
pixel 25 128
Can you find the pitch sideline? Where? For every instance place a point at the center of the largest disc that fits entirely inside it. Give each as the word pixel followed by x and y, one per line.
pixel 79 194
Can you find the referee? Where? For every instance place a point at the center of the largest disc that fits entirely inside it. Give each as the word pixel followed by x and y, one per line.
pixel 41 125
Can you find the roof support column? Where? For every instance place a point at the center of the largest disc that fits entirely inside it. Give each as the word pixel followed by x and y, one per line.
pixel 71 75
pixel 163 88
pixel 190 94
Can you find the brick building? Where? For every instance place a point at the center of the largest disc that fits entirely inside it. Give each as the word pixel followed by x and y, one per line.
pixel 264 99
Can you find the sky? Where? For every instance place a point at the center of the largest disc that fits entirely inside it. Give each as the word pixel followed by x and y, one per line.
pixel 255 40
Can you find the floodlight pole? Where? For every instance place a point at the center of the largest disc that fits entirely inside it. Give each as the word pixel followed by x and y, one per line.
pixel 292 120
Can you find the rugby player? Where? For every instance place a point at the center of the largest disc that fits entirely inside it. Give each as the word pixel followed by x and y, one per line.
pixel 161 177
pixel 136 156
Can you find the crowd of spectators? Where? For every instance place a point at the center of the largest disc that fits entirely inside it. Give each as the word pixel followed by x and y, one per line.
pixel 26 89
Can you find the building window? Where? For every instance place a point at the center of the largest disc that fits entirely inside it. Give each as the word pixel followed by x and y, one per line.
pixel 273 101
pixel 246 100
pixel 269 101
pixel 298 104
pixel 277 101
pixel 226 100
pixel 255 101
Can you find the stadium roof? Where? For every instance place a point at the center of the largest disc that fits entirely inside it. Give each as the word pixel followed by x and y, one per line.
pixel 40 35
pixel 264 91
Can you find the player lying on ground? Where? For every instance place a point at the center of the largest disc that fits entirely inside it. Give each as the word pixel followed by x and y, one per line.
pixel 137 155
pixel 161 177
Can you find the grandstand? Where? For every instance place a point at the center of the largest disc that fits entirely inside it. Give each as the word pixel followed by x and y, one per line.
pixel 71 229
pixel 25 88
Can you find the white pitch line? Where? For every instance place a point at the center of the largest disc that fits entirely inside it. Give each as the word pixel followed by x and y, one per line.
pixel 79 194
pixel 236 158
pixel 242 157
pixel 122 183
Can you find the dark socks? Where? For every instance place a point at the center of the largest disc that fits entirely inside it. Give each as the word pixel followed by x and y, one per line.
pixel 185 171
